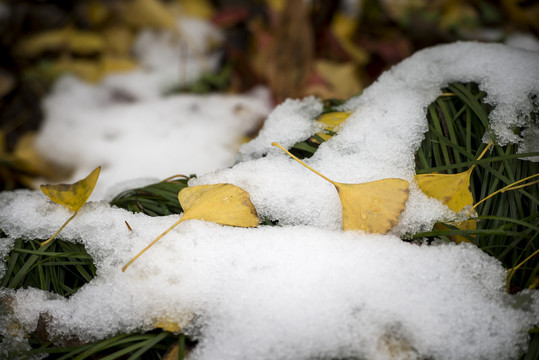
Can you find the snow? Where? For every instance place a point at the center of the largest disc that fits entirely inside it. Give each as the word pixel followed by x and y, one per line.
pixel 149 138
pixel 304 289
pixel 129 116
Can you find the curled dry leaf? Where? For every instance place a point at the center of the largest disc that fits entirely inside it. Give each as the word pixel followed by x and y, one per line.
pixel 374 206
pixel 224 204
pixel 71 196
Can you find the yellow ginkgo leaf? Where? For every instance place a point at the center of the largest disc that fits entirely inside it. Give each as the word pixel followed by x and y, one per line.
pixel 330 122
pixel 373 206
pixel 71 196
pixel 452 189
pixel 225 204
pixel 174 325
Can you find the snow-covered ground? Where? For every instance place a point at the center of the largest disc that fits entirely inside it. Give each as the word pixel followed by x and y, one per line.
pixel 304 289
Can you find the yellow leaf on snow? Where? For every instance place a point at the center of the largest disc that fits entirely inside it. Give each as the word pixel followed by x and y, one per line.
pixel 71 196
pixel 224 204
pixel 374 206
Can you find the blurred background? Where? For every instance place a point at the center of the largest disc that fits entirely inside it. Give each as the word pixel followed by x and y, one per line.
pixel 125 52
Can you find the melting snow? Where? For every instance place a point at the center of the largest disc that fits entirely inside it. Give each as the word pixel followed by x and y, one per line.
pixel 305 289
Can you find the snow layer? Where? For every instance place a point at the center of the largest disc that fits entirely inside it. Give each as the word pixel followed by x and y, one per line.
pixel 305 289
pixel 128 126
pixel 181 134
pixel 294 292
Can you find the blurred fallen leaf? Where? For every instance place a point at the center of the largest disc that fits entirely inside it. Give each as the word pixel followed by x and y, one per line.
pixel 118 41
pixel 71 196
pixel 76 41
pixel 7 82
pixel 96 12
pixel 224 204
pixel 147 13
pixel 114 64
pixel 458 15
pixel 197 8
pixel 344 28
pixel 524 13
pixel 26 153
pixel 374 206
pixel 340 80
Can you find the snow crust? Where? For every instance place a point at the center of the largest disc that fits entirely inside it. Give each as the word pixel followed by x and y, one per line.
pixel 304 289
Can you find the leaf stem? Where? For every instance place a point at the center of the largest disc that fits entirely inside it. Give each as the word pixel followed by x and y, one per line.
pixel 60 229
pixel 150 244
pixel 302 163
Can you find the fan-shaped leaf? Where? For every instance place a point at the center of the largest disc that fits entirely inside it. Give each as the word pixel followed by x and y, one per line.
pixel 373 207
pixel 71 196
pixel 224 204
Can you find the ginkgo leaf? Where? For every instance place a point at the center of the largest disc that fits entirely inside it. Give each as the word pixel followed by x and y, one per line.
pixel 373 206
pixel 173 324
pixel 225 204
pixel 452 189
pixel 330 122
pixel 71 196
